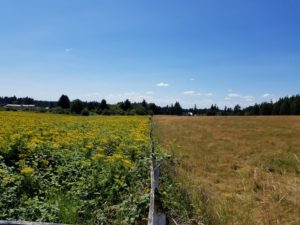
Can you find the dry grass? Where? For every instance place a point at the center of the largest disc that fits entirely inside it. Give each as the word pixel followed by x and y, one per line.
pixel 236 170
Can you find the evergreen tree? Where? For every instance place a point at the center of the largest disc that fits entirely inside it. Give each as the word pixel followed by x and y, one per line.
pixel 237 110
pixel 255 110
pixel 214 109
pixel 64 102
pixel 77 106
pixel 195 110
pixel 144 104
pixel 295 105
pixel 276 108
pixel 177 109
pixel 103 104
pixel 266 108
pixel 285 107
pixel 125 105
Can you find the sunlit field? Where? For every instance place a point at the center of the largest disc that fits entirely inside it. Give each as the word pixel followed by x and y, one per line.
pixel 236 170
pixel 76 170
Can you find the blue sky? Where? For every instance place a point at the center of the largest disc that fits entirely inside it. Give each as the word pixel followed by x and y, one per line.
pixel 195 51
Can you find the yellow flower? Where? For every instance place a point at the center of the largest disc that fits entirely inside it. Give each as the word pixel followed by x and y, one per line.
pixel 127 163
pixel 117 156
pixel 7 179
pixel 98 156
pixel 27 170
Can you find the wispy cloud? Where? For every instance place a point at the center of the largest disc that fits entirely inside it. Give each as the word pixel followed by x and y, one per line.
pixel 192 79
pixel 238 97
pixel 162 84
pixel 208 94
pixel 149 92
pixel 267 95
pixel 248 98
pixel 68 49
pixel 194 93
pixel 189 92
pixel 132 96
pixel 234 95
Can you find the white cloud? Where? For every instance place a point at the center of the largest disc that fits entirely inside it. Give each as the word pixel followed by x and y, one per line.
pixel 132 96
pixel 189 92
pixel 234 98
pixel 194 93
pixel 234 95
pixel 68 49
pixel 208 94
pixel 162 84
pixel 149 92
pixel 267 95
pixel 248 98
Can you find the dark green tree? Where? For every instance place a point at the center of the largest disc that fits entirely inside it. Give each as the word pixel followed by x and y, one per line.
pixel 102 107
pixel 64 102
pixel 144 104
pixel 77 106
pixel 103 104
pixel 276 108
pixel 237 110
pixel 140 110
pixel 295 105
pixel 85 112
pixel 153 109
pixel 177 109
pixel 266 108
pixel 213 111
pixel 126 105
pixel 285 107
pixel 255 110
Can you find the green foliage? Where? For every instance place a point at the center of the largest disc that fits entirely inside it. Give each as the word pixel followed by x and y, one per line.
pixel 85 112
pixel 125 105
pixel 77 106
pixel 177 110
pixel 72 186
pixel 285 108
pixel 64 102
pixel 171 199
pixel 284 163
pixel 70 189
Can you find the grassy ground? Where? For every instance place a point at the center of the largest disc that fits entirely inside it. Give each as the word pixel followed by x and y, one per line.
pixel 236 170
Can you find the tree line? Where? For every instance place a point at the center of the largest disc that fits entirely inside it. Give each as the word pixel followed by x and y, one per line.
pixel 65 106
pixel 284 106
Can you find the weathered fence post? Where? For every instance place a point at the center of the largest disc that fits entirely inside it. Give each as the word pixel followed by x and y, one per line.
pixel 154 218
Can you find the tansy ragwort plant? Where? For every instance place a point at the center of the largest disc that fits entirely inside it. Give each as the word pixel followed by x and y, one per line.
pixel 74 170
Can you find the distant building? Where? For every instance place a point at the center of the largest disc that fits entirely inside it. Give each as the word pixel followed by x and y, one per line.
pixel 190 114
pixel 16 106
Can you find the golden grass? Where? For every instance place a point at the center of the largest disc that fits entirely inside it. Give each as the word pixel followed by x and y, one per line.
pixel 236 170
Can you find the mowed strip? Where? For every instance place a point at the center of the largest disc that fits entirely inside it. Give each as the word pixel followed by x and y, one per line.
pixel 236 170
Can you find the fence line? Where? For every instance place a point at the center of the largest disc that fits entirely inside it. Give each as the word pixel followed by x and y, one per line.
pixel 5 222
pixel 154 218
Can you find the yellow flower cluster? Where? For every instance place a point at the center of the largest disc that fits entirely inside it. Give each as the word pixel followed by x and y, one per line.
pixel 117 138
pixel 27 170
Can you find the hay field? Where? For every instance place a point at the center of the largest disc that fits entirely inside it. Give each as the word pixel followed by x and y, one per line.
pixel 236 170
